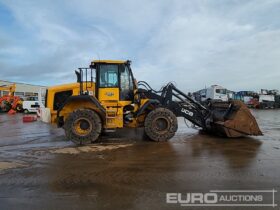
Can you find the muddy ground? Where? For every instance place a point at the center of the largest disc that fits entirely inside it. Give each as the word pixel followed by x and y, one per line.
pixel 40 169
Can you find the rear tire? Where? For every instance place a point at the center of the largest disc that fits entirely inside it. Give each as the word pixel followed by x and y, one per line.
pixel 6 106
pixel 83 126
pixel 161 124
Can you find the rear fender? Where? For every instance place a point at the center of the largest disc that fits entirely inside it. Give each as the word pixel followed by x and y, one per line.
pixel 79 102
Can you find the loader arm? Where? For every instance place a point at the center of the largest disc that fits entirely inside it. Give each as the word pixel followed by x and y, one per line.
pixel 180 104
pixel 231 119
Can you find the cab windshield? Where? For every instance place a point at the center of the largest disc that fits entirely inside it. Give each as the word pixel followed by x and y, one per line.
pixel 221 91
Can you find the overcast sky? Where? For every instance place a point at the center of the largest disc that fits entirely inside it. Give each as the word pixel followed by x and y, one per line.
pixel 195 43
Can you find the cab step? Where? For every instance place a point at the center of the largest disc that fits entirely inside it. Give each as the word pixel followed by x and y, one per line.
pixel 110 130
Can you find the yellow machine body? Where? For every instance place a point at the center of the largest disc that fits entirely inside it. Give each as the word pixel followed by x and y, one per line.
pixel 110 98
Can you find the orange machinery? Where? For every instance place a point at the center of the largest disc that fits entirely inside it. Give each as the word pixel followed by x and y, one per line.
pixel 10 101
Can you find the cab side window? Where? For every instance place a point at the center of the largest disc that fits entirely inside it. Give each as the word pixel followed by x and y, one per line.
pixel 126 83
pixel 124 78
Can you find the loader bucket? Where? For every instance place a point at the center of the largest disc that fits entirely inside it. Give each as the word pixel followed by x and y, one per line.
pixel 233 119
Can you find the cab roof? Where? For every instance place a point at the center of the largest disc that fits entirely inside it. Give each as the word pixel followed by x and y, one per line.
pixel 108 61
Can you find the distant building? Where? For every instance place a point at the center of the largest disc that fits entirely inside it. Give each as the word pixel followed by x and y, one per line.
pixel 24 90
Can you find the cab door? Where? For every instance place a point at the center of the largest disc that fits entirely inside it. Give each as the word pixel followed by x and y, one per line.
pixel 108 82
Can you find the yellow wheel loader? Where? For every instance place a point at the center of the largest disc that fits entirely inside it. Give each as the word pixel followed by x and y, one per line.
pixel 106 97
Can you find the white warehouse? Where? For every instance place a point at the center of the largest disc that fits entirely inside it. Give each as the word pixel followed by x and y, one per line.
pixel 25 90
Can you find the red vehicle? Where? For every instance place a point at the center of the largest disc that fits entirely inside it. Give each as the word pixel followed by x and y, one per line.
pixel 254 103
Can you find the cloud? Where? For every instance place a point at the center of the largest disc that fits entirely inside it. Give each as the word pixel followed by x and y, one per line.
pixel 193 43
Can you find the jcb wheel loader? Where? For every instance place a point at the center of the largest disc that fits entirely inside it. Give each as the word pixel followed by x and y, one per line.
pixel 107 97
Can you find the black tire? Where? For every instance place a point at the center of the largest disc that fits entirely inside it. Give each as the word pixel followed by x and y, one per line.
pixel 83 126
pixel 160 124
pixel 6 106
pixel 19 108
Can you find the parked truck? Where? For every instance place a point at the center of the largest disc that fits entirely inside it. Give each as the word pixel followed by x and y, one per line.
pixel 266 99
pixel 214 92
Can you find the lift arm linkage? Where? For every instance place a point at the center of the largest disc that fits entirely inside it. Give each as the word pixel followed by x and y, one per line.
pixel 180 104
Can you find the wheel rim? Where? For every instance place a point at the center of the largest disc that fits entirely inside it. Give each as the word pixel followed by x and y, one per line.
pixel 19 107
pixel 82 126
pixel 161 124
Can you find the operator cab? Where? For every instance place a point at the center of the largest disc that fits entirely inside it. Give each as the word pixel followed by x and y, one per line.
pixel 114 80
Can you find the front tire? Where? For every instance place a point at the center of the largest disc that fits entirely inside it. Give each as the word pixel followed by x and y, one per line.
pixel 83 126
pixel 161 124
pixel 19 108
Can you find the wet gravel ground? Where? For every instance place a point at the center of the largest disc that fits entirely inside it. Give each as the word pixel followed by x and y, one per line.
pixel 40 169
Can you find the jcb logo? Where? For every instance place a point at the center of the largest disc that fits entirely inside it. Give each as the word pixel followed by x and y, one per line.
pixel 187 112
pixel 109 93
